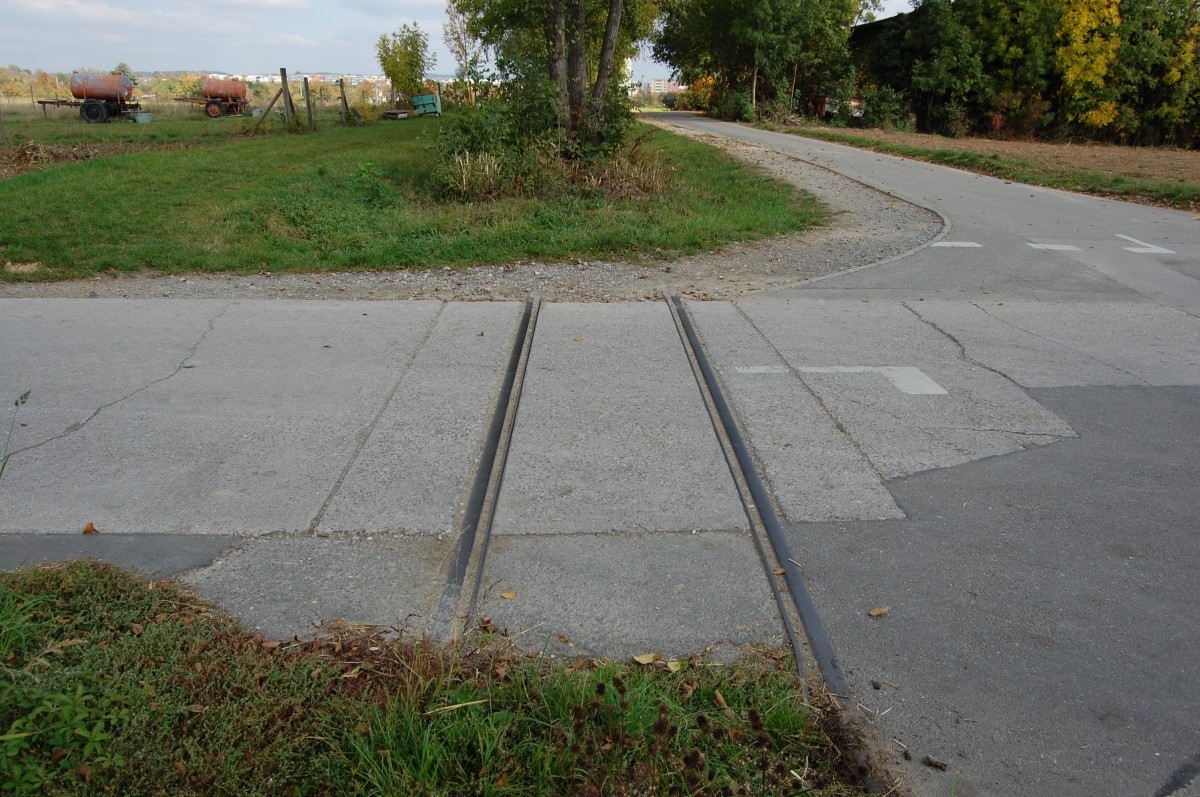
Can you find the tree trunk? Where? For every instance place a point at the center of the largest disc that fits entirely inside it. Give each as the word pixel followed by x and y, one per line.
pixel 608 57
pixel 577 64
pixel 556 50
pixel 792 96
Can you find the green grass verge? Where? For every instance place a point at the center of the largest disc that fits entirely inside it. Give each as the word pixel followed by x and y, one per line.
pixel 113 684
pixel 358 198
pixel 1157 192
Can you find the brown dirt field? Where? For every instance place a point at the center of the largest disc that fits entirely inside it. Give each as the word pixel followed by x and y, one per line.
pixel 1145 163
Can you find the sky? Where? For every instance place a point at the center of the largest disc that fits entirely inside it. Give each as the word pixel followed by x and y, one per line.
pixel 232 36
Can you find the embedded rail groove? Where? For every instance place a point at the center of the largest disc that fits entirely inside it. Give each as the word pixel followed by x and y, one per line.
pixel 476 525
pixel 762 506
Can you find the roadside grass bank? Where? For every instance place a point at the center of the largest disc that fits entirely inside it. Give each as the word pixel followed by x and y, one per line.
pixel 115 684
pixel 1050 172
pixel 348 199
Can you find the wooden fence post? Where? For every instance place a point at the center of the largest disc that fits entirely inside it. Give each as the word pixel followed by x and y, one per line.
pixel 345 105
pixel 308 104
pixel 288 110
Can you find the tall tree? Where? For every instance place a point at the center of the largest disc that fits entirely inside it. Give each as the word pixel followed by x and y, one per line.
pixel 567 49
pixel 465 46
pixel 404 58
pixel 1090 40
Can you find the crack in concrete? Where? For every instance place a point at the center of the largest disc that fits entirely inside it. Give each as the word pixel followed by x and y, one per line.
pixel 365 435
pixel 962 350
pixel 1019 328
pixel 79 425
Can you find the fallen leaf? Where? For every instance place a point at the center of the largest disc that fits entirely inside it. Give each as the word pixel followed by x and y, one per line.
pixel 91 529
pixel 85 772
pixel 135 629
pixel 508 594
pixel 271 645
pixel 647 658
pixel 675 665
pixel 501 781
pixel 563 638
pixel 689 689
pixel 719 699
pixel 180 768
pixel 930 761
pixel 316 673
pixel 879 611
pixel 338 624
pixel 779 571
pixel 197 709
pixel 578 339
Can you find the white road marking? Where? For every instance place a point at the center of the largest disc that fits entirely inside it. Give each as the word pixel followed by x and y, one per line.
pixel 904 378
pixel 1143 248
pixel 760 369
pixel 958 244
pixel 1054 247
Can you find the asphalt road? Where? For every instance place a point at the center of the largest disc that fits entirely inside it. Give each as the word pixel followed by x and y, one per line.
pixel 993 437
pixel 1039 638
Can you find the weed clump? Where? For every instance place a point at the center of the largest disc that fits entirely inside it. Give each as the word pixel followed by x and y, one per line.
pixel 114 684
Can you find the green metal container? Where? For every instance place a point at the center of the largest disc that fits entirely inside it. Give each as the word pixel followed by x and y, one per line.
pixel 427 103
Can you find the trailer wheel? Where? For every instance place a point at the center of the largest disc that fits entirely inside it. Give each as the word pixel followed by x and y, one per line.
pixel 213 109
pixel 93 111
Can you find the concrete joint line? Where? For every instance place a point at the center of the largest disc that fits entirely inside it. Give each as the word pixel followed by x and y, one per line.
pixel 1019 328
pixel 758 504
pixel 365 435
pixel 799 377
pixel 457 605
pixel 191 352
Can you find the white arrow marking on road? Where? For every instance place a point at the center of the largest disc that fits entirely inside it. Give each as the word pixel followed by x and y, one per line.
pixel 1054 247
pixel 904 378
pixel 958 244
pixel 1143 248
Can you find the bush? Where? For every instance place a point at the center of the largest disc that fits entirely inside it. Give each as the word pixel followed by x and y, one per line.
pixel 951 120
pixel 736 106
pixel 884 107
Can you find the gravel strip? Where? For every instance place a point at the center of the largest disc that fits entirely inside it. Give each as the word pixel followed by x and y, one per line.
pixel 865 226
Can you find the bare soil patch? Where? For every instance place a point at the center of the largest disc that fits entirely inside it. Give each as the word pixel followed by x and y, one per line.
pixel 1168 164
pixel 29 156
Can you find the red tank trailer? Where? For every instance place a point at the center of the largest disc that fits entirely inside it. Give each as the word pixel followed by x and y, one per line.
pixel 221 97
pixel 98 97
pixel 109 88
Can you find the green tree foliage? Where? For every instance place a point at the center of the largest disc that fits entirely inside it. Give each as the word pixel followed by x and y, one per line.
pixel 404 58
pixel 1118 70
pixel 775 51
pixel 560 62
pixel 127 71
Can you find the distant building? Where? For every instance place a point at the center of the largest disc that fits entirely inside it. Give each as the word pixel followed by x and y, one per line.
pixel 662 85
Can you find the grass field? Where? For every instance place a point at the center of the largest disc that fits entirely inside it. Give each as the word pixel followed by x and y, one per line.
pixel 113 684
pixel 202 198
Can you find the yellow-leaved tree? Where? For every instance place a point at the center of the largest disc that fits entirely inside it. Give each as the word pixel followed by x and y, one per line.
pixel 1089 37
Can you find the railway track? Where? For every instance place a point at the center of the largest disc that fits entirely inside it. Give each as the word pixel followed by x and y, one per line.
pixel 780 569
